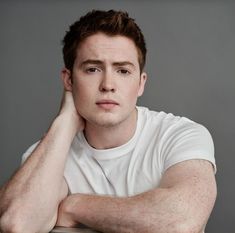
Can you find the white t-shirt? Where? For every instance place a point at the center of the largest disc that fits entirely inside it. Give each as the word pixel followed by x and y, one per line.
pixel 160 141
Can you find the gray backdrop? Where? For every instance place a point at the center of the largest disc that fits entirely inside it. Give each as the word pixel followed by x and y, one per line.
pixel 191 55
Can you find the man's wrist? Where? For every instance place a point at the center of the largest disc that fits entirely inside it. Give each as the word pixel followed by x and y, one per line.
pixel 68 212
pixel 67 123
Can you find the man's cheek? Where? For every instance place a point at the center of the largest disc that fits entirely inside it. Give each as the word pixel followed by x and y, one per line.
pixel 132 95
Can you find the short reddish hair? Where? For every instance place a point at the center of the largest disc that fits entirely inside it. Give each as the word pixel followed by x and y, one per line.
pixel 109 22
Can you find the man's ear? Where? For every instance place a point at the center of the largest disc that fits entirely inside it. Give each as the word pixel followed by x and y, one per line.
pixel 143 78
pixel 66 77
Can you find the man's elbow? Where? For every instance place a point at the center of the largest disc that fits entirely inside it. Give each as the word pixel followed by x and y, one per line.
pixel 11 220
pixel 196 221
pixel 15 223
pixel 175 228
pixel 14 220
pixel 190 225
pixel 11 224
pixel 188 228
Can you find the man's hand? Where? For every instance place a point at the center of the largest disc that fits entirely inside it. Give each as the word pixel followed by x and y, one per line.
pixel 65 217
pixel 182 204
pixel 68 109
pixel 38 187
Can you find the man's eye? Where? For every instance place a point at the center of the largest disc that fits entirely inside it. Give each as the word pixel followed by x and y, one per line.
pixel 92 70
pixel 123 71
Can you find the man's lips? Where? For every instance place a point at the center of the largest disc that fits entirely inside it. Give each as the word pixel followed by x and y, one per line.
pixel 107 104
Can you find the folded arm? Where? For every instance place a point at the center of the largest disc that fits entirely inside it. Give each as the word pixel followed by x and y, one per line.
pixel 181 204
pixel 34 192
pixel 29 201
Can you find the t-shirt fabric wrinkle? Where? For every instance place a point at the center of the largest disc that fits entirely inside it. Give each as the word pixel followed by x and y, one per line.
pixel 160 141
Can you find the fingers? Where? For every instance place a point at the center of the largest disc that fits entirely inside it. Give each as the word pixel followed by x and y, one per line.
pixel 68 109
pixel 67 102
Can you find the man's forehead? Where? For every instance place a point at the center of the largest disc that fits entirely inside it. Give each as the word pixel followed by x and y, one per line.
pixel 105 39
pixel 103 47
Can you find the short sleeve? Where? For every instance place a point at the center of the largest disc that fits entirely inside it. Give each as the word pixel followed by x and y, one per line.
pixel 28 152
pixel 187 140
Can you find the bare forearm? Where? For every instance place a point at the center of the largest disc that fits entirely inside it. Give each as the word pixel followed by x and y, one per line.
pixel 110 214
pixel 40 176
pixel 153 211
pixel 181 204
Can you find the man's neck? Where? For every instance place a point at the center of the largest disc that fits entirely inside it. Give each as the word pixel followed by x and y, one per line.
pixel 110 137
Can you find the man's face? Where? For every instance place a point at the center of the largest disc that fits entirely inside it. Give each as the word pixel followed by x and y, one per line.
pixel 106 79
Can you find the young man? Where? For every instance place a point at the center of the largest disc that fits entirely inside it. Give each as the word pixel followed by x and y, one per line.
pixel 104 162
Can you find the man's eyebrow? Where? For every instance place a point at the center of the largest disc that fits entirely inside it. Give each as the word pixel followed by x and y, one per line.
pixel 123 63
pixel 99 62
pixel 91 61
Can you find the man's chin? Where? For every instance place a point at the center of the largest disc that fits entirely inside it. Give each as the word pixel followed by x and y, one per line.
pixel 107 120
pixel 104 123
pixel 107 124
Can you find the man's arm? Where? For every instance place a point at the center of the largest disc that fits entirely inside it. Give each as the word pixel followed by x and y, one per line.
pixel 182 204
pixel 29 201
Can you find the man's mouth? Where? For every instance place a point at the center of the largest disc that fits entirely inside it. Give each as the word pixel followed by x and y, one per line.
pixel 107 104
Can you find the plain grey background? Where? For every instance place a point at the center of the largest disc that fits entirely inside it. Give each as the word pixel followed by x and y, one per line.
pixel 190 64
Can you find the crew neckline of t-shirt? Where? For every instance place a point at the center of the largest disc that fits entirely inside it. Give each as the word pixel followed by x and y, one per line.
pixel 105 154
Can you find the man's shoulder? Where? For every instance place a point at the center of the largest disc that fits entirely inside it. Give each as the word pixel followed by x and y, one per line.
pixel 162 117
pixel 169 124
pixel 29 151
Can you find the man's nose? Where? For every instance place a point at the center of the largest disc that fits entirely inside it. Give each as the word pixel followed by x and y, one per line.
pixel 108 82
